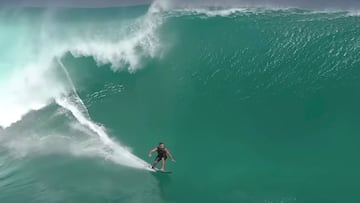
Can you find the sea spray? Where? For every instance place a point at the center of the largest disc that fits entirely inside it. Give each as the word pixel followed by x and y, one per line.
pixel 31 65
pixel 112 150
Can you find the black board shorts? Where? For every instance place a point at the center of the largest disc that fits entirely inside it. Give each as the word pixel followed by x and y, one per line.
pixel 158 158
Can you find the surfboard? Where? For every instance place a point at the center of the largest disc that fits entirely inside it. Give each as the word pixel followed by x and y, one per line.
pixel 159 171
pixel 156 170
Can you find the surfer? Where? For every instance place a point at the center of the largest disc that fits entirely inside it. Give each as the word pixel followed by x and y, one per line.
pixel 162 153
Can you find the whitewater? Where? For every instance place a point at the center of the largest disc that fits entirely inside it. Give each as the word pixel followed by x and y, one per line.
pixel 35 77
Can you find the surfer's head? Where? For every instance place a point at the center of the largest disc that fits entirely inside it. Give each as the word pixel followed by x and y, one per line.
pixel 161 145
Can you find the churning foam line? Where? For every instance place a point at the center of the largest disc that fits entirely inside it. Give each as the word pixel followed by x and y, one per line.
pixel 119 153
pixel 211 13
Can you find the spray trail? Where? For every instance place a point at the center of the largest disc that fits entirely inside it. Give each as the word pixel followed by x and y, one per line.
pixel 112 150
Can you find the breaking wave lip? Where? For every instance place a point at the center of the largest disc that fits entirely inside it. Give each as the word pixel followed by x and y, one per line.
pixel 231 11
pixel 125 53
pixel 21 92
pixel 208 12
pixel 354 13
pixel 345 5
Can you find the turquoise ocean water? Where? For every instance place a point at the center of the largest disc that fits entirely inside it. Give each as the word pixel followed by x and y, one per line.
pixel 256 105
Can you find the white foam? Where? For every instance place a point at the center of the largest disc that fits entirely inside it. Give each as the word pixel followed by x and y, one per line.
pixel 159 6
pixel 97 144
pixel 213 12
pixel 116 152
pixel 354 13
pixel 35 80
pixel 32 88
pixel 33 85
pixel 133 43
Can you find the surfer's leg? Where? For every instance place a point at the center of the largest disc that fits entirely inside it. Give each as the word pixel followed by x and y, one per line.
pixel 163 163
pixel 156 161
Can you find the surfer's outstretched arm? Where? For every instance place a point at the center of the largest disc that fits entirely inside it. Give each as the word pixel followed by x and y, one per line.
pixel 170 155
pixel 152 151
